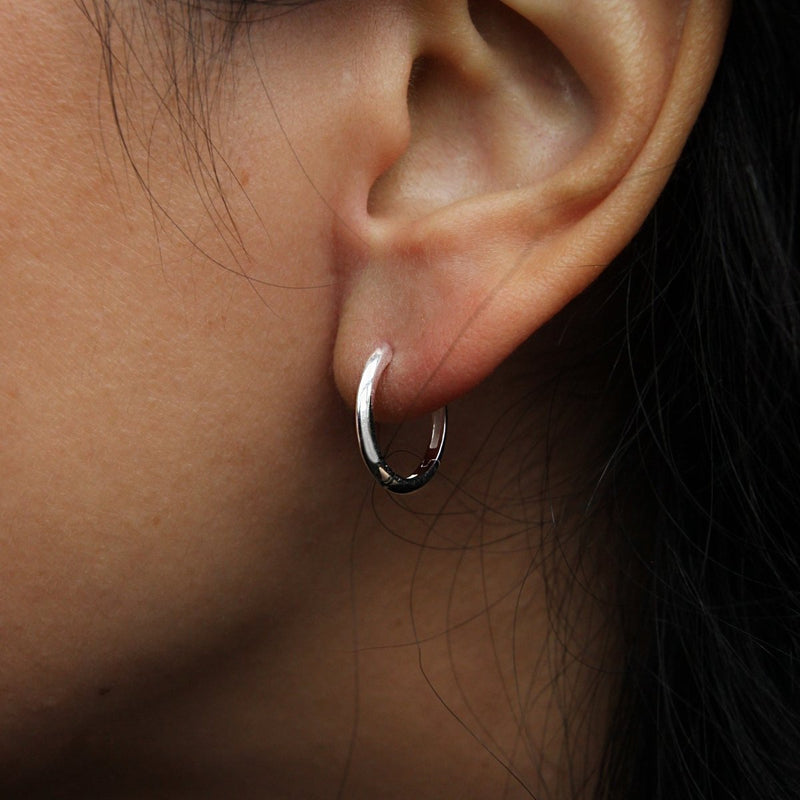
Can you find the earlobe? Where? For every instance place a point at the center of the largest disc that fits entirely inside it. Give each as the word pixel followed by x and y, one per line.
pixel 541 135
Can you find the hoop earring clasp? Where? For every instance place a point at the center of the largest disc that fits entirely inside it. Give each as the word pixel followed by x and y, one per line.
pixel 365 431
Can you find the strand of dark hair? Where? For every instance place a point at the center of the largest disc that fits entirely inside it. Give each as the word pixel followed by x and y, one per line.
pixel 710 709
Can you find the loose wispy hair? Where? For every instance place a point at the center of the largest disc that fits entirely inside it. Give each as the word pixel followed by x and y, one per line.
pixel 711 703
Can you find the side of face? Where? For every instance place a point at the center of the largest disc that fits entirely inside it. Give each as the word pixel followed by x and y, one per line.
pixel 168 419
pixel 207 228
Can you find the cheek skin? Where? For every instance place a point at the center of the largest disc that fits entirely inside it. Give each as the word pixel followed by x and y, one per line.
pixel 189 542
pixel 157 411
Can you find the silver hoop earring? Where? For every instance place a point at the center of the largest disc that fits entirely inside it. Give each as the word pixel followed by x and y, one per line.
pixel 365 431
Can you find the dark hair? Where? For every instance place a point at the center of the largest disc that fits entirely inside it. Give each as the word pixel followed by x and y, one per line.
pixel 712 346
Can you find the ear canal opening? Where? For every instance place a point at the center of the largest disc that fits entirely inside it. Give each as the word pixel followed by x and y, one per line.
pixel 445 161
pixel 493 106
pixel 419 69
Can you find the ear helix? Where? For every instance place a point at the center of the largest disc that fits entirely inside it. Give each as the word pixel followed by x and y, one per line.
pixel 365 432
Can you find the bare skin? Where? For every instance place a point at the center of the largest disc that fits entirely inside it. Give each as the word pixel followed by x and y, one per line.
pixel 202 594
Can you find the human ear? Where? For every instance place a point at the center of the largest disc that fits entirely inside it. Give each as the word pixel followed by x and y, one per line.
pixel 533 140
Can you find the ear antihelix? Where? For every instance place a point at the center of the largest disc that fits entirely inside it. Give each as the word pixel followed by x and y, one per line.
pixel 367 440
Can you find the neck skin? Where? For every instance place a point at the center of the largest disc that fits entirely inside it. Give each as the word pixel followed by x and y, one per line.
pixel 453 643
